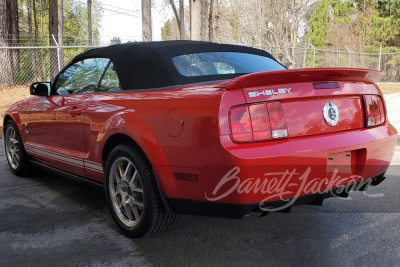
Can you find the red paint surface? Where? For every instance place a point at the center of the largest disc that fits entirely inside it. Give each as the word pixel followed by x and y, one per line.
pixel 196 139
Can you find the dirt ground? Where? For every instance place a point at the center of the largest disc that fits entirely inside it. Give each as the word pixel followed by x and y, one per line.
pixel 8 96
pixel 389 88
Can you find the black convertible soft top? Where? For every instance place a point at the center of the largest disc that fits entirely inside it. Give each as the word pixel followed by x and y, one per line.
pixel 144 65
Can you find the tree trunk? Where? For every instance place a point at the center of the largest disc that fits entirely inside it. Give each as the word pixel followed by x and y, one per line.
pixel 14 22
pixel 14 31
pixel 293 34
pixel 35 23
pixel 210 22
pixel 53 31
pixel 146 21
pixel 204 12
pixel 195 19
pixel 35 39
pixel 42 52
pixel 30 33
pixel 182 19
pixel 216 20
pixel 6 72
pixel 61 29
pixel 262 24
pixel 89 16
pixel 41 22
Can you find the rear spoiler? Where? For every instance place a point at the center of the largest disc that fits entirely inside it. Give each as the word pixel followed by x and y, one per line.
pixel 302 75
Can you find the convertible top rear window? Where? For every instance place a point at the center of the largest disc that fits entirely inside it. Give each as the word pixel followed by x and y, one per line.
pixel 220 63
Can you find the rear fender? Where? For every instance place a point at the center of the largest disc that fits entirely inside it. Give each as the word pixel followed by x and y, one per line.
pixel 138 131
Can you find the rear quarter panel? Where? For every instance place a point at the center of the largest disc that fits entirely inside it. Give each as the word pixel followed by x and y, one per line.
pixel 176 128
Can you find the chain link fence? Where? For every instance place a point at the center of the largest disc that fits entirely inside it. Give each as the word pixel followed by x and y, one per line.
pixel 24 65
pixel 313 58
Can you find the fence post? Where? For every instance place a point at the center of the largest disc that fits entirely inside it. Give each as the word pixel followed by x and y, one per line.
pixel 58 53
pixel 380 57
pixel 313 62
pixel 349 56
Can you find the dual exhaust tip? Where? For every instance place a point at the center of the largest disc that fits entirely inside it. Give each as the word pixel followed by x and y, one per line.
pixel 315 199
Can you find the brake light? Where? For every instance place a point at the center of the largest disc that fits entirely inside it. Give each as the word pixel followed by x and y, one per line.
pixel 374 110
pixel 258 122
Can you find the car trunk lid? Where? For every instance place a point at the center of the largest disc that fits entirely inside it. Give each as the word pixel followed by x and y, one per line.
pixel 304 93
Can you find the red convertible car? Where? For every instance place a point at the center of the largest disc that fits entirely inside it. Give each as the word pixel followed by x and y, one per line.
pixel 202 128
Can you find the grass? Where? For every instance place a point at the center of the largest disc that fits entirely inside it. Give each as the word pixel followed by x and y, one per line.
pixel 8 96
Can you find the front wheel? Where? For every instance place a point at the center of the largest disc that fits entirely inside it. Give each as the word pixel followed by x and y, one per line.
pixel 132 193
pixel 15 152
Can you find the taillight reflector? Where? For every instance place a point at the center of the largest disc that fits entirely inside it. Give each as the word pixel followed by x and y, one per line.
pixel 257 122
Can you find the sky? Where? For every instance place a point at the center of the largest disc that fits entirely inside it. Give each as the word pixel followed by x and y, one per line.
pixel 122 18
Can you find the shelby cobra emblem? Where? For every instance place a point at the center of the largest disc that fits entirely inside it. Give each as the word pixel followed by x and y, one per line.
pixel 331 114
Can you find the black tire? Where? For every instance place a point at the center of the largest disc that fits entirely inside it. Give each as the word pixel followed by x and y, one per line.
pixel 152 216
pixel 21 166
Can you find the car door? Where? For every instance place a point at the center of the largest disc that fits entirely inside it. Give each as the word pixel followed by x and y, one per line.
pixel 101 108
pixel 57 123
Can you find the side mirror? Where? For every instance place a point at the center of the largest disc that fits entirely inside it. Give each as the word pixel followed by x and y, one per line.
pixel 40 89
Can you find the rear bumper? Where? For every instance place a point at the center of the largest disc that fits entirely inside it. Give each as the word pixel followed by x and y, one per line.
pixel 237 211
pixel 371 151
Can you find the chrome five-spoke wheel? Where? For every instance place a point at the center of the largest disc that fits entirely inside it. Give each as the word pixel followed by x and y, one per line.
pixel 126 190
pixel 14 148
pixel 13 151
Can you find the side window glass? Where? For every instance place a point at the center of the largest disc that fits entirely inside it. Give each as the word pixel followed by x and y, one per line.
pixel 81 77
pixel 110 82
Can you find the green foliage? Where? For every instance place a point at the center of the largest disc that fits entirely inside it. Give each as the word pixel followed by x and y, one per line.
pixel 326 12
pixel 382 23
pixel 166 30
pixel 373 22
pixel 318 24
pixel 75 22
pixel 376 21
pixel 115 40
pixel 34 64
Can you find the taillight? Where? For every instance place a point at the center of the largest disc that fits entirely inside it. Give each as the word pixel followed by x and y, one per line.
pixel 277 120
pixel 258 122
pixel 374 110
pixel 240 124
